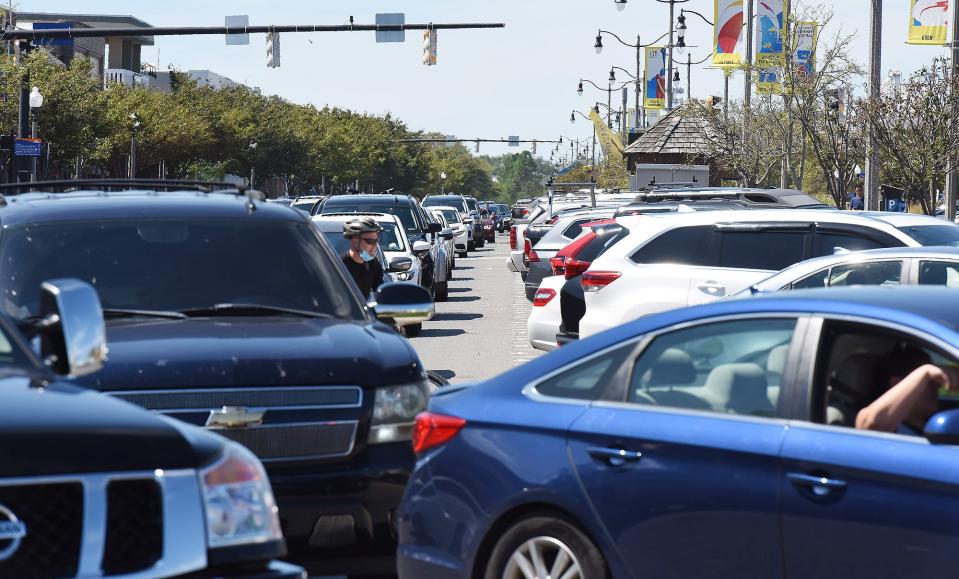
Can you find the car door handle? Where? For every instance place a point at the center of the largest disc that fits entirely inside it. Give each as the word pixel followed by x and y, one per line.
pixel 615 456
pixel 712 288
pixel 819 486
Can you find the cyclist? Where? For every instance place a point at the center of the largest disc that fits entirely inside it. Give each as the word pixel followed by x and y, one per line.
pixel 360 260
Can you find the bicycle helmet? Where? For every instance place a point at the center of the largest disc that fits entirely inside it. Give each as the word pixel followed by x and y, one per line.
pixel 359 226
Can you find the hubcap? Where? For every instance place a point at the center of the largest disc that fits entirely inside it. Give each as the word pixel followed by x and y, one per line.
pixel 543 558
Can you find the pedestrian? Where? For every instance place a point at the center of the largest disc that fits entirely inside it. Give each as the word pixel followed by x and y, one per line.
pixel 360 260
pixel 857 203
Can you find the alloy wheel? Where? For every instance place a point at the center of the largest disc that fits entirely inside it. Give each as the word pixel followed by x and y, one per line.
pixel 543 558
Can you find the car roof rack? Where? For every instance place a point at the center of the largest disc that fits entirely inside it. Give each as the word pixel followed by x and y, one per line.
pixel 107 185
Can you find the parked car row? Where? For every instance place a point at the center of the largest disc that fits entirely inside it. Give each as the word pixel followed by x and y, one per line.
pixel 791 432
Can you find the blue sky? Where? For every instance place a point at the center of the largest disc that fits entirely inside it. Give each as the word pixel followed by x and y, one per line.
pixel 488 83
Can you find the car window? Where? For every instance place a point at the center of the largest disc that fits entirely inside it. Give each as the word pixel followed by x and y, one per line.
pixel 404 212
pixel 588 380
pixel 884 273
pixel 827 242
pixel 939 273
pixel 683 246
pixel 933 235
pixel 765 250
pixel 575 228
pixel 816 280
pixel 175 264
pixel 391 239
pixel 731 367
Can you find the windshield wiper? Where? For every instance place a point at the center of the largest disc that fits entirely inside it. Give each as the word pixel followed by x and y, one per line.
pixel 133 313
pixel 248 310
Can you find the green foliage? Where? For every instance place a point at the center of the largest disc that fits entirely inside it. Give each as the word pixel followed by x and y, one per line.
pixel 197 132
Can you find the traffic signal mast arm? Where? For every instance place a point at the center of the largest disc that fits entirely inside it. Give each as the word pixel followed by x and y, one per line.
pixel 425 140
pixel 51 34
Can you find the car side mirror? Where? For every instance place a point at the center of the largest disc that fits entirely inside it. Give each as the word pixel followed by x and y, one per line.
pixel 943 428
pixel 73 336
pixel 400 264
pixel 447 233
pixel 421 247
pixel 404 304
pixel 434 228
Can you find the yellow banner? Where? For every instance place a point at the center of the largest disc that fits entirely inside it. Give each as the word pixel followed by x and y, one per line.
pixel 609 140
pixel 928 22
pixel 655 94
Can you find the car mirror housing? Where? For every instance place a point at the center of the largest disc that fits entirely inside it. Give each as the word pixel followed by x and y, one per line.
pixel 421 247
pixel 404 304
pixel 943 428
pixel 73 337
pixel 447 233
pixel 400 264
pixel 434 228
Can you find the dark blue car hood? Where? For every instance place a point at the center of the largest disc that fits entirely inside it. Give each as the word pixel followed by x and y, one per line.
pixel 252 351
pixel 61 429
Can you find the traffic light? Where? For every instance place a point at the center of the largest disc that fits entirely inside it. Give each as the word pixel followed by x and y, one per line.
pixel 273 49
pixel 429 47
pixel 713 101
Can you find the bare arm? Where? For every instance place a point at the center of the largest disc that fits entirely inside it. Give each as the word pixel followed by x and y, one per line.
pixel 888 411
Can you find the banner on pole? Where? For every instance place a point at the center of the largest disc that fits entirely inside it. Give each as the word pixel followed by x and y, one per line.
pixel 609 140
pixel 655 97
pixel 771 17
pixel 728 33
pixel 804 60
pixel 928 21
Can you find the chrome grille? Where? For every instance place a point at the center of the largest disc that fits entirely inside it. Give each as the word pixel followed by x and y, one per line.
pixel 265 397
pixel 299 422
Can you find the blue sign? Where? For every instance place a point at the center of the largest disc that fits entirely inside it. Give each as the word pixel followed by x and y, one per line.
pixel 27 147
pixel 52 41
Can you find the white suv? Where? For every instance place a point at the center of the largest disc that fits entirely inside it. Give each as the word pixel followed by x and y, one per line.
pixel 675 260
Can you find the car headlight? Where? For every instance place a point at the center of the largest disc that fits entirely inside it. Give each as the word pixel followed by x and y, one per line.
pixel 240 508
pixel 404 276
pixel 394 412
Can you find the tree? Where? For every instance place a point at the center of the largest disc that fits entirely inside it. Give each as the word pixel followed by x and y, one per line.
pixel 912 131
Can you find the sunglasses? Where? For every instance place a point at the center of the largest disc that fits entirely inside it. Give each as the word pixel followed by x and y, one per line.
pixel 371 241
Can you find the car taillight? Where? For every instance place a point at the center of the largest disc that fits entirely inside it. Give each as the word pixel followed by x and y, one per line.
pixel 575 267
pixel 512 238
pixel 525 212
pixel 433 430
pixel 530 252
pixel 558 264
pixel 543 297
pixel 593 281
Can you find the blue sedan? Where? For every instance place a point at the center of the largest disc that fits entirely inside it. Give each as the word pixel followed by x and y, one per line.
pixel 716 441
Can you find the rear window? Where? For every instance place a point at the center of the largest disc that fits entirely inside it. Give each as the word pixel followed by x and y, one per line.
pixel 680 246
pixel 932 235
pixel 764 250
pixel 404 212
pixel 601 244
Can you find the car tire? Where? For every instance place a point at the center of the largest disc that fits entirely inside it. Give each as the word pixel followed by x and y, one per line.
pixel 549 536
pixel 442 292
pixel 471 246
pixel 530 293
pixel 413 331
pixel 481 243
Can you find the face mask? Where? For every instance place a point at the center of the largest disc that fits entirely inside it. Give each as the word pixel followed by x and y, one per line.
pixel 366 257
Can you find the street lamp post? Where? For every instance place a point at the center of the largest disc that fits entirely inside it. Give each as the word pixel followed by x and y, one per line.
pixel 36 101
pixel 253 146
pixel 669 56
pixel 134 126
pixel 442 183
pixel 639 46
pixel 608 90
pixel 871 188
pixel 572 119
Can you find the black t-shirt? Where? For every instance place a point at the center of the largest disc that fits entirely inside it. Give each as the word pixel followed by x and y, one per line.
pixel 368 276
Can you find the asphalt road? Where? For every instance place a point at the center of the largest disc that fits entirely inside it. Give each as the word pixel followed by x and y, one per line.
pixel 481 331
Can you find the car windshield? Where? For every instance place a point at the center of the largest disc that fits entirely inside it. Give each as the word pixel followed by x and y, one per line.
pixel 472 204
pixel 175 264
pixel 450 215
pixel 304 205
pixel 10 355
pixel 455 202
pixel 404 212
pixel 933 235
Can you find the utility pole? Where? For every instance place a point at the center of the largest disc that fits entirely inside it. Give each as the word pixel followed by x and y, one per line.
pixel 625 114
pixel 952 178
pixel 749 54
pixel 689 74
pixel 639 84
pixel 669 72
pixel 871 188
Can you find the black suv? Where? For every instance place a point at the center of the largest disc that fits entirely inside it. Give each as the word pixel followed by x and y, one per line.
pixel 91 486
pixel 419 227
pixel 234 314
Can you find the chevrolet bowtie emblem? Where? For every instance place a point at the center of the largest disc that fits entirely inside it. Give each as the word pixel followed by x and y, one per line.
pixel 235 417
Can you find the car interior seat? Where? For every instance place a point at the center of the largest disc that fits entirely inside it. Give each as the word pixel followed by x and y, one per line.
pixel 739 389
pixel 853 384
